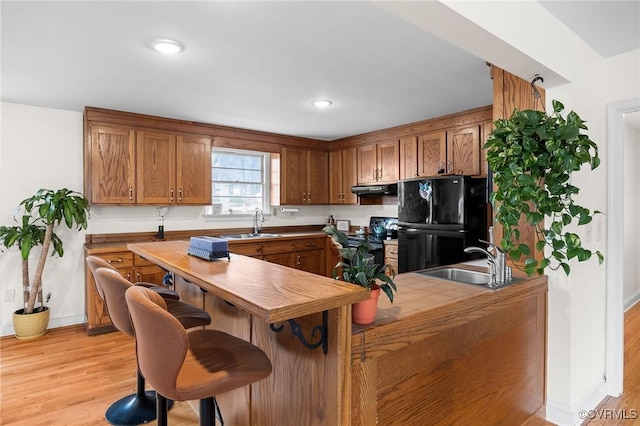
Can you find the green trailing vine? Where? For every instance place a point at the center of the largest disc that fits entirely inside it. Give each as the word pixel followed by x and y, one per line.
pixel 532 156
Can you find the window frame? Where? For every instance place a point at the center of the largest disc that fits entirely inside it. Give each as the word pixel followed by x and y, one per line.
pixel 265 182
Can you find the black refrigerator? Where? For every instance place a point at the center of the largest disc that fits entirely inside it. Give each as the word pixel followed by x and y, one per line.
pixel 437 218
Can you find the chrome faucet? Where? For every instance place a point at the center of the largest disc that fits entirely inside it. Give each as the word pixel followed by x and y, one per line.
pixel 500 272
pixel 257 227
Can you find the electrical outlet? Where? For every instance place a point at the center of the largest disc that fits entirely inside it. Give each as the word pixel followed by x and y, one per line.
pixel 589 234
pixel 161 213
pixel 9 295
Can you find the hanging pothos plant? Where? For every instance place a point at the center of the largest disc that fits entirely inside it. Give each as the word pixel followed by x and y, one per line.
pixel 532 155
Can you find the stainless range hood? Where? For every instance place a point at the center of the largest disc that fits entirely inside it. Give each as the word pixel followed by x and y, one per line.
pixel 377 190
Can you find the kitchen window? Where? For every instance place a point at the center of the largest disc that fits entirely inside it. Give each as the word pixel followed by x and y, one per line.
pixel 240 182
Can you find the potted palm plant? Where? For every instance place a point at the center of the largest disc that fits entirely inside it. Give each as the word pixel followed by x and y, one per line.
pixel 357 266
pixel 41 214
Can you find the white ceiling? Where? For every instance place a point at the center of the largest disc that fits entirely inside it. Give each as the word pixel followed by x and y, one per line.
pixel 258 65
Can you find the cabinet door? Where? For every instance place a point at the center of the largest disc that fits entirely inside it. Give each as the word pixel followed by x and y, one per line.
pixel 148 274
pixel 98 320
pixel 112 160
pixel 313 261
pixel 349 176
pixel 432 153
pixel 408 157
pixel 193 169
pixel 343 175
pixel 335 177
pixel 388 161
pixel 317 174
pixel 284 259
pixel 367 164
pixel 294 176
pixel 463 150
pixel 155 168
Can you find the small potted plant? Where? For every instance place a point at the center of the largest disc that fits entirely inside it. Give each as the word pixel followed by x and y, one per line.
pixel 357 266
pixel 41 213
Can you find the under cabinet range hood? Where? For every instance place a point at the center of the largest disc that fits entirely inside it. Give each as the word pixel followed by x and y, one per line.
pixel 375 190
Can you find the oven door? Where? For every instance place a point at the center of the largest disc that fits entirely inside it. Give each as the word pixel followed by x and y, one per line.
pixel 428 248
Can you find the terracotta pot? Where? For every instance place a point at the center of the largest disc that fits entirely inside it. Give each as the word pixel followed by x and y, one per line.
pixel 30 326
pixel 365 312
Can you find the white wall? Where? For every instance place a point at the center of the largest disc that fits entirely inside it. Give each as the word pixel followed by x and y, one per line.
pixel 42 147
pixel 631 292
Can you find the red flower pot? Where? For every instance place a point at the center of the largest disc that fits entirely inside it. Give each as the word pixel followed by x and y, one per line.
pixel 365 312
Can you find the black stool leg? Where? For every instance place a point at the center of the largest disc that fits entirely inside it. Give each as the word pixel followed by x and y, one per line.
pixel 207 417
pixel 161 410
pixel 134 409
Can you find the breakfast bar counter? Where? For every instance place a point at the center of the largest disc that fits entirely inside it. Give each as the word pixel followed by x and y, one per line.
pixel 270 291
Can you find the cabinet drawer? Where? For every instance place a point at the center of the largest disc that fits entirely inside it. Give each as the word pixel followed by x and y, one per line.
pixel 141 261
pixel 274 247
pixel 311 244
pixel 391 251
pixel 254 249
pixel 120 260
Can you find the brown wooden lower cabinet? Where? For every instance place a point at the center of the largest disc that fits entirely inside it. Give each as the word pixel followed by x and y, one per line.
pixel 306 254
pixel 391 255
pixel 132 267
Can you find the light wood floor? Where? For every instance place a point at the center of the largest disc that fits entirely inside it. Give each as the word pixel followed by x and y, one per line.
pixel 69 378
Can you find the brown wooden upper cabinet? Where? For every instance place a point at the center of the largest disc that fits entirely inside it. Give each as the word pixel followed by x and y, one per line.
pixel 147 167
pixel 342 176
pixel 409 157
pixel 304 176
pixel 378 163
pixel 455 151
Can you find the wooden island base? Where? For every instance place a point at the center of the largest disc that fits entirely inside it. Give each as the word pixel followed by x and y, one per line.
pixel 479 361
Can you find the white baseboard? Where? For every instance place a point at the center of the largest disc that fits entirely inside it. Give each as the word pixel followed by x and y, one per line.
pixel 7 330
pixel 563 415
pixel 631 301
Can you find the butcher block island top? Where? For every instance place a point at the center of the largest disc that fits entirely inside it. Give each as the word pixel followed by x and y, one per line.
pixel 267 290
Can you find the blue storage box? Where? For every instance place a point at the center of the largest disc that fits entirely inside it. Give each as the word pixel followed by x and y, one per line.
pixel 208 248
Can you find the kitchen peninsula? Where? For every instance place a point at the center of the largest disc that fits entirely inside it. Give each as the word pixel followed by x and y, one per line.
pixel 442 351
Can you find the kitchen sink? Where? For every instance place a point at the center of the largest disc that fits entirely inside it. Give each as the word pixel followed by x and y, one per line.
pixel 458 275
pixel 246 236
pixel 464 276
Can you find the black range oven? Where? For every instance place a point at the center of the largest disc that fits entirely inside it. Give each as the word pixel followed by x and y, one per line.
pixel 380 228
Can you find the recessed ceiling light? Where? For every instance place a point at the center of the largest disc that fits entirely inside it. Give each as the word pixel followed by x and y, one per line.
pixel 321 103
pixel 166 46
